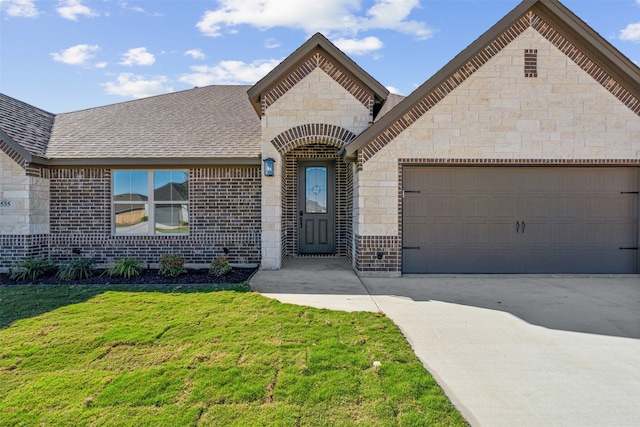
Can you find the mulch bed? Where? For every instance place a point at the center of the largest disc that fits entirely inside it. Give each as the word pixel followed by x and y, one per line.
pixel 146 277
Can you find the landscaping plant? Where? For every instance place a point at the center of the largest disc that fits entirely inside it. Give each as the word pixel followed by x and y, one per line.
pixel 31 268
pixel 75 269
pixel 125 267
pixel 172 265
pixel 220 267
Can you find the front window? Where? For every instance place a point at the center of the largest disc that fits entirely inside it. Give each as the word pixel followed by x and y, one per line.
pixel 151 202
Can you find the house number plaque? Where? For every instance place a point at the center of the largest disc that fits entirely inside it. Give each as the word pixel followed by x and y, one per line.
pixel 5 204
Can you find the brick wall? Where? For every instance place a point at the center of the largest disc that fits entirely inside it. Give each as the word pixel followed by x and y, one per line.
pixel 224 213
pixel 344 205
pixel 378 254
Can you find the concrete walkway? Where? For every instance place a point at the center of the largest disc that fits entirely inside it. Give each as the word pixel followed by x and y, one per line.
pixel 507 350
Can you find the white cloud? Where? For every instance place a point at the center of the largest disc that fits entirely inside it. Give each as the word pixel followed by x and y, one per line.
pixel 125 5
pixel 343 17
pixel 631 33
pixel 138 56
pixel 19 8
pixel 359 47
pixel 71 9
pixel 229 72
pixel 101 65
pixel 271 43
pixel 135 86
pixel 76 55
pixel 195 54
pixel 394 90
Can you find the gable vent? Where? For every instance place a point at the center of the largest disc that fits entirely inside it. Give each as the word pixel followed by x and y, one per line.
pixel 531 62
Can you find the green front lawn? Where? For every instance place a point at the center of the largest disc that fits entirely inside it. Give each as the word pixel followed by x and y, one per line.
pixel 88 355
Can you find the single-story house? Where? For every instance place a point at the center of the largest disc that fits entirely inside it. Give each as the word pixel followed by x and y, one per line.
pixel 521 155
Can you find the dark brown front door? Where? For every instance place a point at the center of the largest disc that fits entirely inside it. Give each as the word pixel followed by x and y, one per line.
pixel 316 207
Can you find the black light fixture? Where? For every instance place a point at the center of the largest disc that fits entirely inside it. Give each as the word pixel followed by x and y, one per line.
pixel 268 166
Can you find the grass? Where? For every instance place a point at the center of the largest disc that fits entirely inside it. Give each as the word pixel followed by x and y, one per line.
pixel 117 356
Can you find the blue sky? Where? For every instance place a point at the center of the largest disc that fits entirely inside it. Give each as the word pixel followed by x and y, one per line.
pixel 67 55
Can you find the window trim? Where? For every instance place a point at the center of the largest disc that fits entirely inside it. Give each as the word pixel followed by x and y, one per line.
pixel 151 203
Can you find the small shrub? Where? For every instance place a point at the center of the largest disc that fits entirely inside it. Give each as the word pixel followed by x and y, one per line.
pixel 81 268
pixel 172 265
pixel 31 268
pixel 220 267
pixel 125 267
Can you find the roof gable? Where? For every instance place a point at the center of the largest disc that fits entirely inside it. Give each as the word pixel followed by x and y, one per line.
pixel 317 52
pixel 553 21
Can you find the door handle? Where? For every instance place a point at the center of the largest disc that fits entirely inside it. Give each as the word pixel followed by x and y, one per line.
pixel 523 226
pixel 301 214
pixel 517 226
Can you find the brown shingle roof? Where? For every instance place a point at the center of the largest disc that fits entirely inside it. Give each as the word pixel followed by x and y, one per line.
pixel 26 125
pixel 200 123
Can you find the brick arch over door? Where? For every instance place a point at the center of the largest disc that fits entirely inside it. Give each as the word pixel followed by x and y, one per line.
pixel 315 141
pixel 312 133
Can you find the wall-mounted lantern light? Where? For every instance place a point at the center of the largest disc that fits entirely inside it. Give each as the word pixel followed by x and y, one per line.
pixel 268 166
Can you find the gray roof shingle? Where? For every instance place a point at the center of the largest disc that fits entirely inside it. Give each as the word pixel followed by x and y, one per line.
pixel 392 100
pixel 26 125
pixel 207 122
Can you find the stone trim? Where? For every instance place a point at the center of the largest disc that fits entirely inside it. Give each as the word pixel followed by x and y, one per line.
pixel 583 61
pixel 312 133
pixel 13 154
pixel 530 19
pixel 319 59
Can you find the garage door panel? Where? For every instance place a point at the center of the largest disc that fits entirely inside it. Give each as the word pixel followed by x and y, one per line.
pixel 435 233
pixel 504 206
pixel 469 219
pixel 504 233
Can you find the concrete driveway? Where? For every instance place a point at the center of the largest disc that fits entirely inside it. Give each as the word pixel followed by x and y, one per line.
pixel 507 350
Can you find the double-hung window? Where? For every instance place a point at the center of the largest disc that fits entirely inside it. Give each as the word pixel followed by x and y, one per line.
pixel 150 202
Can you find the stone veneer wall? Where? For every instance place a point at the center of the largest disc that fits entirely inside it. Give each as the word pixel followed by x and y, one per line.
pixel 28 193
pixel 343 204
pixel 311 106
pixel 495 115
pixel 224 213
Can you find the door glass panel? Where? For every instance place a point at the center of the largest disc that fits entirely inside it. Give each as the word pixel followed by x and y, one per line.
pixel 316 191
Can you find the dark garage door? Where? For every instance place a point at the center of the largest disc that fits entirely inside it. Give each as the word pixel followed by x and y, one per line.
pixel 520 220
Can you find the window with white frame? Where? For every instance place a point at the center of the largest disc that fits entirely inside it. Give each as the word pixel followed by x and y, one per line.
pixel 150 202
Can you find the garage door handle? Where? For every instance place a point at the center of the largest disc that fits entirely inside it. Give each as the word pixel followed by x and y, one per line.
pixel 517 226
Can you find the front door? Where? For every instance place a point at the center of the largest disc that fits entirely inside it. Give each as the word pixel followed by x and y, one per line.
pixel 316 207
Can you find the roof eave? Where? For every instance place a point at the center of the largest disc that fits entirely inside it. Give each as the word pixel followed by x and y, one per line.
pixel 622 68
pixel 162 161
pixel 28 157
